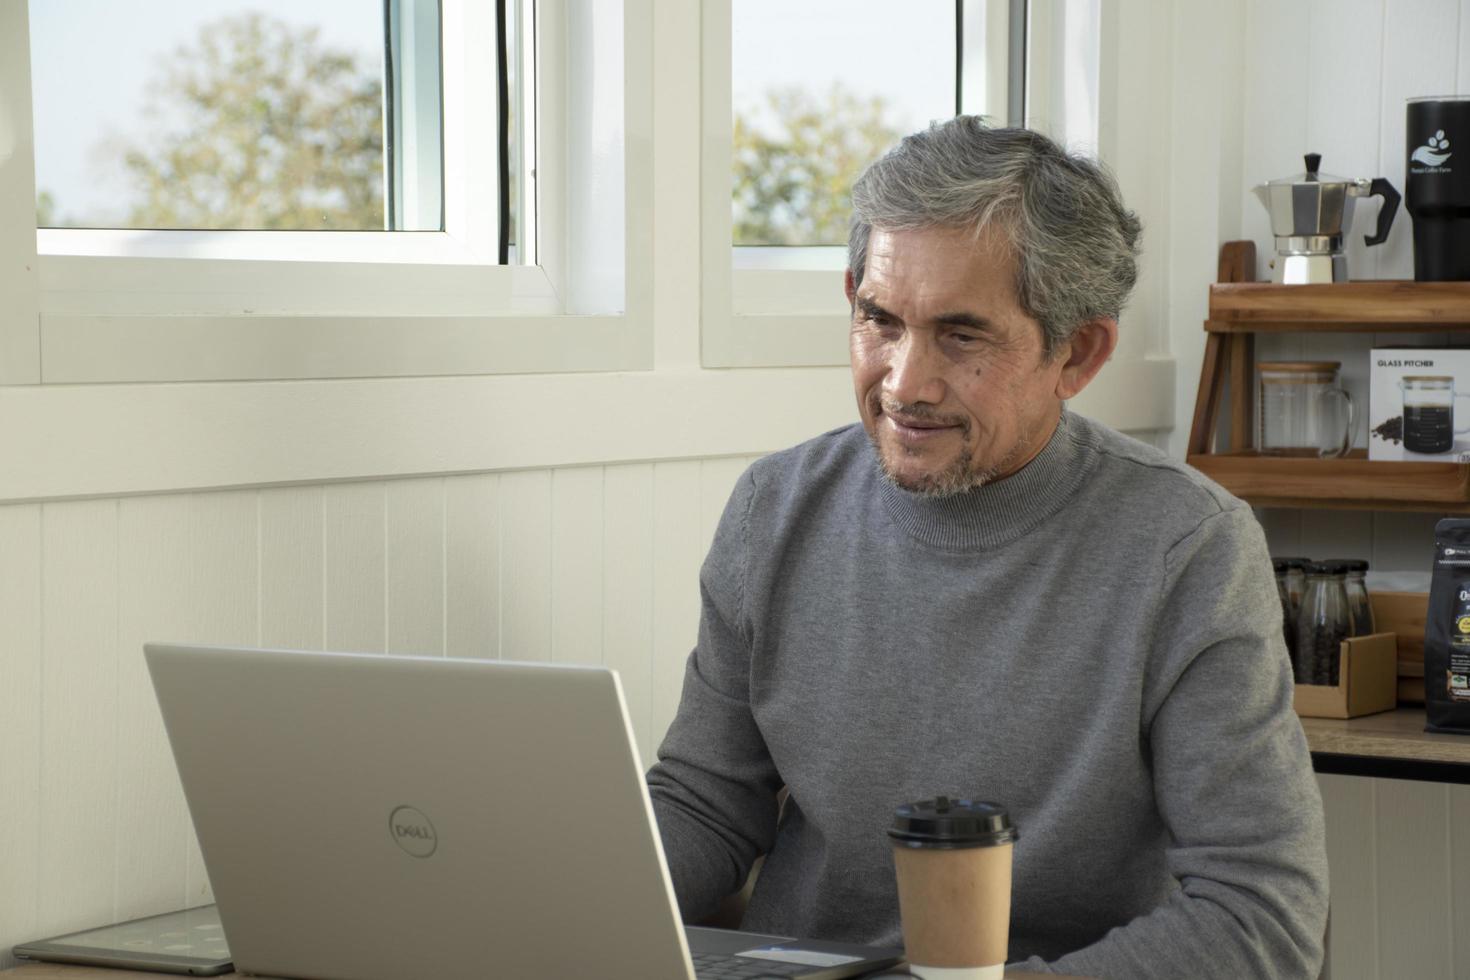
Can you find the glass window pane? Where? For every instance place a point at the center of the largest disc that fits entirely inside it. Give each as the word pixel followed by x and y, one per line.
pixel 224 114
pixel 820 89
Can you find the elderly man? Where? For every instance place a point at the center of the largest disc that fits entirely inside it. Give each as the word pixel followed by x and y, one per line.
pixel 978 593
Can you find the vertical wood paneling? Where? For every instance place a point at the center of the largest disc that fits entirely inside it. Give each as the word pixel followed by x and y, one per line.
pixel 1283 530
pixel 1403 542
pixel 1462 75
pixel 291 562
pixel 222 598
pixel 154 598
pixel 1344 82
pixel 627 608
pixel 1276 105
pixel 1413 879
pixel 1334 533
pixel 1459 846
pixel 354 562
pixel 1420 44
pixel 676 560
pixel 577 566
pixel 20 724
pixel 1353 945
pixel 78 714
pixel 472 560
pixel 525 565
pixel 415 556
pixel 716 482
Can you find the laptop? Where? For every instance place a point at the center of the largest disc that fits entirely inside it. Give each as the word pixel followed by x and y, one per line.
pixel 374 817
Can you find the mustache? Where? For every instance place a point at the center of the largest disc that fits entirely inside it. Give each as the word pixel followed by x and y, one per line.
pixel 917 412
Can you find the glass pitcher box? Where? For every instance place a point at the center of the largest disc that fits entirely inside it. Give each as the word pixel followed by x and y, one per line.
pixel 1419 405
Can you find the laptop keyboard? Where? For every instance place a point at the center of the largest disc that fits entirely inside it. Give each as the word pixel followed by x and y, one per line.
pixel 719 967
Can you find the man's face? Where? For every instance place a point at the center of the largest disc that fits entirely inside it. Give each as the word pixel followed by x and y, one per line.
pixel 950 375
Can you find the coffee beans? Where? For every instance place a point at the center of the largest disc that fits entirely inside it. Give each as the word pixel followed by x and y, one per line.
pixel 1318 653
pixel 1391 429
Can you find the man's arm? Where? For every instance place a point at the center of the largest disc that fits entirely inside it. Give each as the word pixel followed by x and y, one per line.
pixel 714 786
pixel 1232 780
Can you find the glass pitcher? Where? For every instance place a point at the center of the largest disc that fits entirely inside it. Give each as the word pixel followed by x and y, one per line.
pixel 1303 410
pixel 1429 413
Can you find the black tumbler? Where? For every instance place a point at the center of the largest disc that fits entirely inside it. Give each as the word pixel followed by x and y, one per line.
pixel 1437 187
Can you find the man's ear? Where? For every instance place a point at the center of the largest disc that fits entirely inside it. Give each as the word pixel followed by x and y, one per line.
pixel 1085 354
pixel 848 287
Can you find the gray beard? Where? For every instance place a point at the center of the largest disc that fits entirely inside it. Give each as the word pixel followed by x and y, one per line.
pixel 960 476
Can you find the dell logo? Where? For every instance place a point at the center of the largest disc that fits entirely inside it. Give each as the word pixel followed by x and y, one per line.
pixel 412 831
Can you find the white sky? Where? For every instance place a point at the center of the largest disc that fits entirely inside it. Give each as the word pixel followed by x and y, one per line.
pixel 119 44
pixel 902 51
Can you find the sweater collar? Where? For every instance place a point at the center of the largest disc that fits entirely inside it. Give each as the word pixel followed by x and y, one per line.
pixel 998 513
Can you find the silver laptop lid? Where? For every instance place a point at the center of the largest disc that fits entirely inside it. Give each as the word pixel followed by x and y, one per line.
pixel 365 816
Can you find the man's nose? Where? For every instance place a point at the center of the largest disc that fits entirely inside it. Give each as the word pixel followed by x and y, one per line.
pixel 914 372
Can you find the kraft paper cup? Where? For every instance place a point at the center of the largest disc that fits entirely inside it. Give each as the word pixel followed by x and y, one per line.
pixel 952 860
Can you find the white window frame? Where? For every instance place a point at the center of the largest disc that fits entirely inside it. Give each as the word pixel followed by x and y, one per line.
pixel 798 317
pixel 784 307
pixel 140 306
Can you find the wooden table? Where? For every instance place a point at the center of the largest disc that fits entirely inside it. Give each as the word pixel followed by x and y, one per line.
pixel 57 971
pixel 1391 745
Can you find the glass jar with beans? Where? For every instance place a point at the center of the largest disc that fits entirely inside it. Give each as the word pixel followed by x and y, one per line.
pixel 1325 620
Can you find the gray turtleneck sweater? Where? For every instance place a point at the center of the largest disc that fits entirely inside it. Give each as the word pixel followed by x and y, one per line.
pixel 1094 641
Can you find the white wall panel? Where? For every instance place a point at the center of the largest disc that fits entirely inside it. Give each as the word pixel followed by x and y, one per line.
pixel 1403 542
pixel 1459 862
pixel 1420 47
pixel 716 481
pixel 414 511
pixel 1276 106
pixel 1335 533
pixel 154 604
pixel 20 724
pixel 472 562
pixel 1412 868
pixel 79 715
pixel 1353 941
pixel 291 562
pixel 221 599
pixel 577 566
pixel 525 565
pixel 628 589
pixel 1344 81
pixel 354 582
pixel 1462 59
pixel 677 554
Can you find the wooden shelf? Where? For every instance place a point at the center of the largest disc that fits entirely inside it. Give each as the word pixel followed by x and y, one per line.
pixel 1385 306
pixel 1240 309
pixel 1353 482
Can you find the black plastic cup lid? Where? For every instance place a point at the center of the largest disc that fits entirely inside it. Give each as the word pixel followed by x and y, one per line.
pixel 947 823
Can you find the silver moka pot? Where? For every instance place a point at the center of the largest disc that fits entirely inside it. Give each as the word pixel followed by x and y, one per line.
pixel 1310 214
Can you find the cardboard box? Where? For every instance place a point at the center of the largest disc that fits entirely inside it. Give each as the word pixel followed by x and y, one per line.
pixel 1368 671
pixel 1401 419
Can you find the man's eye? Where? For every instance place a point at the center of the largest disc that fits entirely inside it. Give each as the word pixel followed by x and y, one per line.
pixel 964 339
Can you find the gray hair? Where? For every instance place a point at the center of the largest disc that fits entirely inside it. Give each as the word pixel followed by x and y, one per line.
pixel 1063 216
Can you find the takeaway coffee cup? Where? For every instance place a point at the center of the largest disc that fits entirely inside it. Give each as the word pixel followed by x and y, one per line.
pixel 953 862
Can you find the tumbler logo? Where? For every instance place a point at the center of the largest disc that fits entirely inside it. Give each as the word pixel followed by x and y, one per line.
pixel 1434 152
